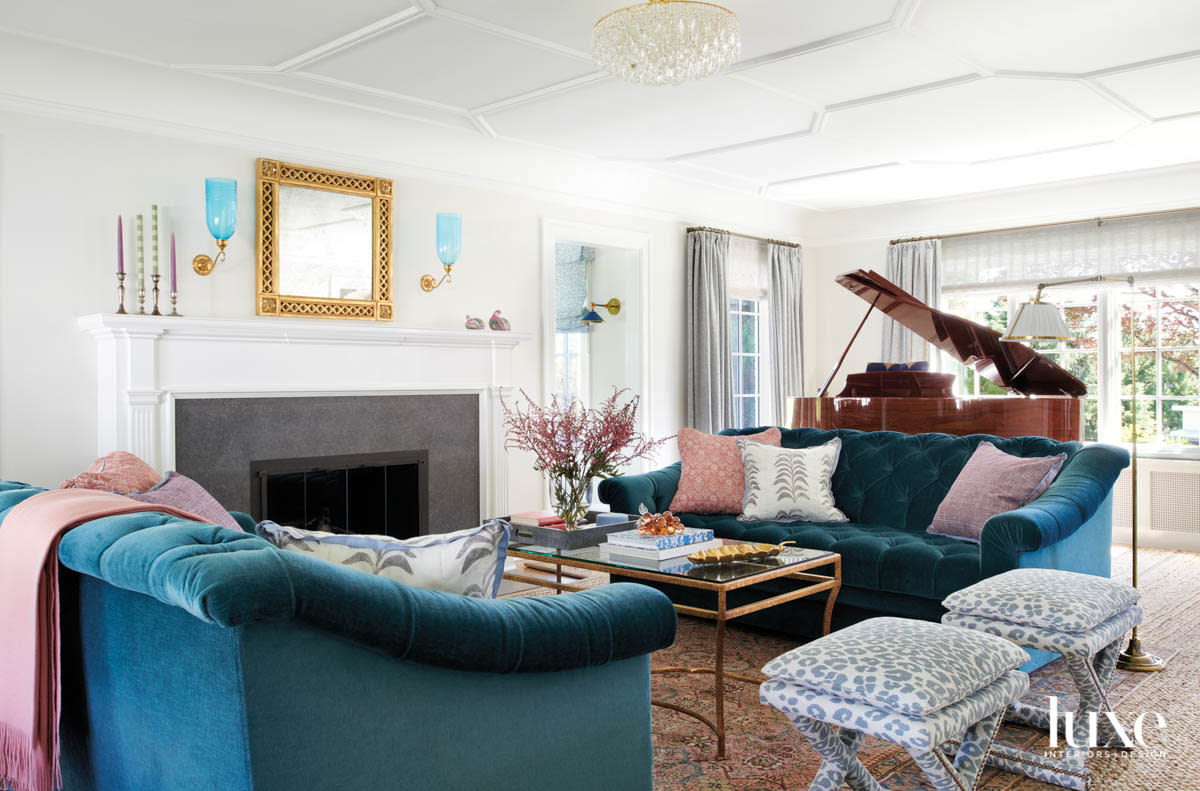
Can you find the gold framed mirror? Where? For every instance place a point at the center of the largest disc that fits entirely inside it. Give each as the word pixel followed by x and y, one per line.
pixel 324 243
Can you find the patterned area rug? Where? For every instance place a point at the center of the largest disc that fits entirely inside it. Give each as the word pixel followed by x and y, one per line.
pixel 766 754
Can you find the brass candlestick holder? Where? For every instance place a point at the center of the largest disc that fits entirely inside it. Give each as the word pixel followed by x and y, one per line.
pixel 155 278
pixel 120 292
pixel 174 296
pixel 142 297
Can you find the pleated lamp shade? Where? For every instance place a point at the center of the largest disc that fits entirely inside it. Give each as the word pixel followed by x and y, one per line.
pixel 1038 321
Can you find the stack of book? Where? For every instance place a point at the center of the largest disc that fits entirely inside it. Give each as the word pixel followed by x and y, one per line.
pixel 632 544
pixel 537 519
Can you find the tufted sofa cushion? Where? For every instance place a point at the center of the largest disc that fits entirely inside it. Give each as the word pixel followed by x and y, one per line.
pixel 874 556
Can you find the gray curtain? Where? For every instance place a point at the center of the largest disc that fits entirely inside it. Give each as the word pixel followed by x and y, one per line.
pixel 786 312
pixel 709 364
pixel 915 267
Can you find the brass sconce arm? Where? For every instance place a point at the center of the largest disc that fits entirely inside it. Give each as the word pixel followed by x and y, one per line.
pixel 429 282
pixel 203 265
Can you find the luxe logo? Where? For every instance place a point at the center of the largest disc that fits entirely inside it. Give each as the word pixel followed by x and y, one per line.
pixel 1129 737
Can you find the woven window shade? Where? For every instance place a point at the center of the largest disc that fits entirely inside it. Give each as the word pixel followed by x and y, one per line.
pixel 1166 245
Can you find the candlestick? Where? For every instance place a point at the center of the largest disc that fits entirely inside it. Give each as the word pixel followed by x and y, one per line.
pixel 174 274
pixel 174 296
pixel 141 267
pixel 120 292
pixel 154 234
pixel 120 248
pixel 155 277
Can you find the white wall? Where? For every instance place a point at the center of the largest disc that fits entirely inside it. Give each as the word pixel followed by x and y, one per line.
pixel 62 185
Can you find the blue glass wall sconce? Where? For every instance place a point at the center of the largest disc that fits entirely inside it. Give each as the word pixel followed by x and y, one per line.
pixel 220 210
pixel 449 245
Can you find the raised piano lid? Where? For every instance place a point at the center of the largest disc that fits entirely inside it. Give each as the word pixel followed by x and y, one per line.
pixel 1010 365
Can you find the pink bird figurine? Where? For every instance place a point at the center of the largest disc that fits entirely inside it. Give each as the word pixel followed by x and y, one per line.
pixel 474 322
pixel 498 322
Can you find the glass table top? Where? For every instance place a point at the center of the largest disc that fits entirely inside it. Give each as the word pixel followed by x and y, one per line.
pixel 680 567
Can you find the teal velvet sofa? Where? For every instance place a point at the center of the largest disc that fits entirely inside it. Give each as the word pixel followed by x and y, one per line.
pixel 890 485
pixel 197 657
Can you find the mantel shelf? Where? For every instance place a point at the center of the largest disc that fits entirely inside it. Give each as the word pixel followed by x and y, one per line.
pixel 280 330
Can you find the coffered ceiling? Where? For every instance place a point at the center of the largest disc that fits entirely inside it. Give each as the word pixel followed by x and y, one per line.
pixel 833 104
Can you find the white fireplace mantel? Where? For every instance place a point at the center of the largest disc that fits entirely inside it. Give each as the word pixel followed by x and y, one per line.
pixel 146 363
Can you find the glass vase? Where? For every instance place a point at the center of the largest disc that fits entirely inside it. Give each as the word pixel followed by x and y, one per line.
pixel 570 498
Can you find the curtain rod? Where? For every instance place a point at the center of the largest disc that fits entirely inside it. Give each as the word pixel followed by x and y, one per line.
pixel 1097 220
pixel 743 235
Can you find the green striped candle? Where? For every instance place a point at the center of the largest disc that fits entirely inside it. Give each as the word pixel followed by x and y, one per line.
pixel 154 234
pixel 141 272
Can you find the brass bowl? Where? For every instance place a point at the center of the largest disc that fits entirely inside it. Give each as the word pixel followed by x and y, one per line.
pixel 733 553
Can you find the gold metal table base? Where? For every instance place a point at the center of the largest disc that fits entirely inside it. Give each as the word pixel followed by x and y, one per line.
pixel 723 613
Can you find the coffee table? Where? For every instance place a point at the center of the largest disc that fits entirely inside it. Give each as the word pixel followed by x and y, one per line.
pixel 792 563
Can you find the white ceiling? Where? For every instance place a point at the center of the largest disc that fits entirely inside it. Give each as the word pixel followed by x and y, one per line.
pixel 833 105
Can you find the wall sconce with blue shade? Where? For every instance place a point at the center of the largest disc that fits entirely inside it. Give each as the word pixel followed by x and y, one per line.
pixel 220 210
pixel 449 245
pixel 591 316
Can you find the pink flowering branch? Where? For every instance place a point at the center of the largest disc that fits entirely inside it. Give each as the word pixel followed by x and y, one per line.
pixel 572 444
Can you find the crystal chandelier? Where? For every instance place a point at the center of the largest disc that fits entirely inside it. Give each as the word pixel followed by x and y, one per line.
pixel 666 42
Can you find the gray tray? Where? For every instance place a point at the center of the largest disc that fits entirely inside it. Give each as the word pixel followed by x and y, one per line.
pixel 588 536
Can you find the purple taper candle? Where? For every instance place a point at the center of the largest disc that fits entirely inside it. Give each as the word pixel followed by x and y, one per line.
pixel 120 248
pixel 174 281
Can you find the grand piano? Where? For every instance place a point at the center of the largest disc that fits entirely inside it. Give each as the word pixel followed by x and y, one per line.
pixel 1044 400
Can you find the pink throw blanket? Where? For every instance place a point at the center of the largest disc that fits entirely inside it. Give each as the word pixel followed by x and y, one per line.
pixel 29 694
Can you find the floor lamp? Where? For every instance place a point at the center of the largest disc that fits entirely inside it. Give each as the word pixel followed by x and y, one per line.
pixel 1043 321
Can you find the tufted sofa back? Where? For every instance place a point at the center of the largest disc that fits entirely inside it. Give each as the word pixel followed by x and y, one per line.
pixel 899 480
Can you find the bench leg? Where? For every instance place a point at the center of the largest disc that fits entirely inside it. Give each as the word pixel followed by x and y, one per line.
pixel 839 750
pixel 963 774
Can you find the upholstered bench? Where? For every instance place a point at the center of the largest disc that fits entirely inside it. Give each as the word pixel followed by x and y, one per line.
pixel 1082 617
pixel 911 682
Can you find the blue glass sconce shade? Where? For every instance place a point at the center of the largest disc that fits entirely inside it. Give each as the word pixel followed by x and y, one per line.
pixel 449 237
pixel 220 204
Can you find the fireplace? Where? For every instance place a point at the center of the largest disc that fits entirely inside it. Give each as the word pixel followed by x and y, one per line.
pixel 376 493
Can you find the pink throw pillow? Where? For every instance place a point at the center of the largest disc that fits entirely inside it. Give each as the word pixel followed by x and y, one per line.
pixel 120 472
pixel 991 483
pixel 180 491
pixel 713 480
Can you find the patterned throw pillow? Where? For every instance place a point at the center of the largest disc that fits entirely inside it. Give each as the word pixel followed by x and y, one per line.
pixel 120 472
pixel 1064 601
pixel 899 664
pixel 790 484
pixel 991 483
pixel 185 494
pixel 470 562
pixel 712 481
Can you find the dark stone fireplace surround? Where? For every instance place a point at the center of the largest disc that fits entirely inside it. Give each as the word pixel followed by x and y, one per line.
pixel 216 439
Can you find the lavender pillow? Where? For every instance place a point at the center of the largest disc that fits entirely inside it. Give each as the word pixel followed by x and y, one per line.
pixel 991 483
pixel 180 491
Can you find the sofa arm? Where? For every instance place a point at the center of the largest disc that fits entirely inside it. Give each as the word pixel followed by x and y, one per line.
pixel 1069 502
pixel 655 490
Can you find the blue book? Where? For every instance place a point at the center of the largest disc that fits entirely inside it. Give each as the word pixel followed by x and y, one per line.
pixel 632 538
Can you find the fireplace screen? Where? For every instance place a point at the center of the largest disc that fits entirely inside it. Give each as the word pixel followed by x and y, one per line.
pixel 374 493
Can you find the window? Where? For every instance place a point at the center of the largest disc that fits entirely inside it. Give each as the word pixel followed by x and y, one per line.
pixel 748 283
pixel 746 324
pixel 1166 322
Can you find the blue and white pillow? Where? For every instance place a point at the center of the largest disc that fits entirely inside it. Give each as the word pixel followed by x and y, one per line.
pixel 470 562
